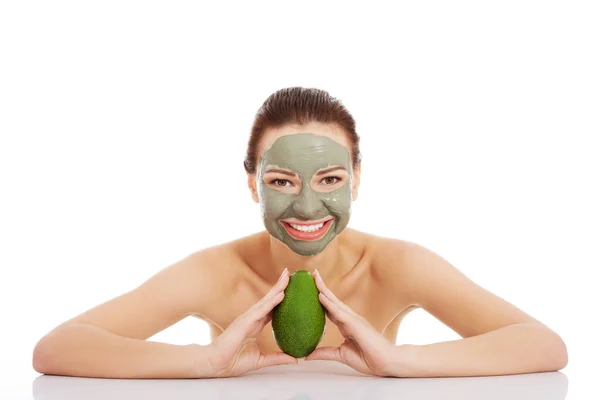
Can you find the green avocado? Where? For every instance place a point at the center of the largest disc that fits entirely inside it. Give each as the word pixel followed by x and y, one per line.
pixel 299 320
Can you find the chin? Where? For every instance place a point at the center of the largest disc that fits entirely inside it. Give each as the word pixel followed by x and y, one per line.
pixel 308 249
pixel 306 253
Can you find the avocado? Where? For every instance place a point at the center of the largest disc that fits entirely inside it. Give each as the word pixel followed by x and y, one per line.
pixel 299 320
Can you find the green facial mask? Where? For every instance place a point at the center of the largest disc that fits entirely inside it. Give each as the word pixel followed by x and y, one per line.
pixel 304 154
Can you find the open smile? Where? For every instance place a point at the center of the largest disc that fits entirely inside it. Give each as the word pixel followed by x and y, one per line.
pixel 307 230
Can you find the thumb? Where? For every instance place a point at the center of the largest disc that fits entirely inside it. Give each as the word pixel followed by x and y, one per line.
pixel 235 334
pixel 326 353
pixel 269 359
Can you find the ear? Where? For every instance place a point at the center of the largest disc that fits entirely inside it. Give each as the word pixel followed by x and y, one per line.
pixel 355 181
pixel 252 187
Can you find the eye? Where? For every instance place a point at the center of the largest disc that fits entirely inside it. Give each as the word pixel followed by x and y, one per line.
pixel 330 180
pixel 281 182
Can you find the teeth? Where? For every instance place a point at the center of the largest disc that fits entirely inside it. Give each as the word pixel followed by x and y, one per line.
pixel 307 228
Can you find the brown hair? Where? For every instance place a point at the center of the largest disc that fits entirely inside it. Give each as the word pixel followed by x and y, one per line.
pixel 299 105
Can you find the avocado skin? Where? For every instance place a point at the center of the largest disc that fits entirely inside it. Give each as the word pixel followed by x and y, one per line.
pixel 299 320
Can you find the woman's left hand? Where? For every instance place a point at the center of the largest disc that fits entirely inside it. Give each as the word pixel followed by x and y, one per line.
pixel 364 349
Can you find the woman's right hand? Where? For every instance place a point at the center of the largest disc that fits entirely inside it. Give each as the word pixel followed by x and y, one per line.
pixel 235 351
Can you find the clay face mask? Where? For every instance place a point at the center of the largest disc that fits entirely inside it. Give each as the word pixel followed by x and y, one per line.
pixel 304 186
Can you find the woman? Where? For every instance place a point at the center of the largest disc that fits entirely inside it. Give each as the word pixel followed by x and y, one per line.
pixel 303 167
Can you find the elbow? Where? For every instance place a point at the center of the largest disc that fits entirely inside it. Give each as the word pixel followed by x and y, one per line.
pixel 42 358
pixel 555 354
pixel 542 349
pixel 560 355
pixel 46 352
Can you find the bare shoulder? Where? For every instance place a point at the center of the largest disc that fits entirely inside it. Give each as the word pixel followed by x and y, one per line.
pixel 383 252
pixel 399 264
pixel 225 265
pixel 383 255
pixel 198 279
pixel 220 266
pixel 195 281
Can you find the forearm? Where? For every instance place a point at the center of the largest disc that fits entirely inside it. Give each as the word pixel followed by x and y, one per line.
pixel 515 349
pixel 85 350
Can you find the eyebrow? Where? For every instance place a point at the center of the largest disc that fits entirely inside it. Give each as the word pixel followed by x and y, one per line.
pixel 328 170
pixel 280 171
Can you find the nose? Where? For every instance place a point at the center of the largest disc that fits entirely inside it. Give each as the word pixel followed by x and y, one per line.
pixel 308 204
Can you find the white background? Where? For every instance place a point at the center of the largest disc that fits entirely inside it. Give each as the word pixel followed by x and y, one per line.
pixel 124 124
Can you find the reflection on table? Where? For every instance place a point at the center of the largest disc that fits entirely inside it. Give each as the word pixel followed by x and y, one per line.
pixel 307 380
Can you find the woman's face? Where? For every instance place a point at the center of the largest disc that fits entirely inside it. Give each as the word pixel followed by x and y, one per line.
pixel 304 184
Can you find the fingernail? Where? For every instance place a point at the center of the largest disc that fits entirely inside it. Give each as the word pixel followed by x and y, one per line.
pixel 317 271
pixel 283 274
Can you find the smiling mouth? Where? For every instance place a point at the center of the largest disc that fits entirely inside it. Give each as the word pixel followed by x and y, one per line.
pixel 308 230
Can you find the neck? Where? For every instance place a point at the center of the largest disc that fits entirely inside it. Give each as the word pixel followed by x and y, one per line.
pixel 327 261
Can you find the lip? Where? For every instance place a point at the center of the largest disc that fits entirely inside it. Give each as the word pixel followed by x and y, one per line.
pixel 307 236
pixel 311 222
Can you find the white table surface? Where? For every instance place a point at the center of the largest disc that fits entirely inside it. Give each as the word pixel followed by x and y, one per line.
pixel 307 380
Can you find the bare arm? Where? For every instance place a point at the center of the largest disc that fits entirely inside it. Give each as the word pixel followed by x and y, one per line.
pixel 514 349
pixel 498 338
pixel 109 340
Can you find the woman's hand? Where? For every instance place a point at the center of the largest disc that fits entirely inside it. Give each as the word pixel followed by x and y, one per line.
pixel 235 351
pixel 364 349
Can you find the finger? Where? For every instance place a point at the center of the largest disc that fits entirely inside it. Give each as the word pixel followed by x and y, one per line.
pixel 268 305
pixel 262 322
pixel 241 327
pixel 330 353
pixel 281 283
pixel 327 292
pixel 353 326
pixel 322 287
pixel 335 311
pixel 350 325
pixel 279 286
pixel 331 317
pixel 233 336
pixel 245 326
pixel 268 359
pixel 267 318
pixel 261 315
